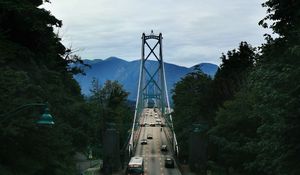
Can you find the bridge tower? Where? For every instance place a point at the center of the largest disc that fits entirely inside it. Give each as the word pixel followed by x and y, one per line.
pixel 152 87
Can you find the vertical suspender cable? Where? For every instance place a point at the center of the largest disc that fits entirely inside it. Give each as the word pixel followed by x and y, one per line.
pixel 175 145
pixel 138 94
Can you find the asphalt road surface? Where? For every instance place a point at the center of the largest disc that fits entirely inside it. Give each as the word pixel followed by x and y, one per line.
pixel 154 158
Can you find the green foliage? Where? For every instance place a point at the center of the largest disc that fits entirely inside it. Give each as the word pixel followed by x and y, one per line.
pixel 197 98
pixel 34 68
pixel 232 72
pixel 109 105
pixel 235 132
pixel 191 105
pixel 285 17
pixel 257 132
pixel 255 102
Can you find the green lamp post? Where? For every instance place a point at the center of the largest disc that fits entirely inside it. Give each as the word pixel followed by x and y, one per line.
pixel 45 118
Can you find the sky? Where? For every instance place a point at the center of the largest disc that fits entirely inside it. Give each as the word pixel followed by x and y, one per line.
pixel 194 31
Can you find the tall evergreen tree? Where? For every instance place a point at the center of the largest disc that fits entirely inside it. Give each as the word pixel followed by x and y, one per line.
pixel 192 105
pixel 278 83
pixel 34 68
pixel 226 145
pixel 232 72
pixel 258 130
pixel 109 105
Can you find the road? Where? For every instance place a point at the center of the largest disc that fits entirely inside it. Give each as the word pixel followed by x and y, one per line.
pixel 153 157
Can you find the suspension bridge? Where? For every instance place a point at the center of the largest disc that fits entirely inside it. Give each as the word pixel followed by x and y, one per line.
pixel 152 133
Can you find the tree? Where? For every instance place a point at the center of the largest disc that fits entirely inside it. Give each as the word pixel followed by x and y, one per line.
pixel 34 68
pixel 229 111
pixel 191 105
pixel 234 135
pixel 258 130
pixel 109 103
pixel 232 72
pixel 277 80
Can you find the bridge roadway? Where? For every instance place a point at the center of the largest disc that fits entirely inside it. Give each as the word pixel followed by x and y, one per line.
pixel 154 158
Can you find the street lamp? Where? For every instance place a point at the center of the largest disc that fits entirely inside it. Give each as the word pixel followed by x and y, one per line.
pixel 45 118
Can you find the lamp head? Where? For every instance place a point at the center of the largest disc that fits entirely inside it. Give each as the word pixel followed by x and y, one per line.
pixel 46 118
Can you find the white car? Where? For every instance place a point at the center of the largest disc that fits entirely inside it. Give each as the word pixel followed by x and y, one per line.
pixel 164 148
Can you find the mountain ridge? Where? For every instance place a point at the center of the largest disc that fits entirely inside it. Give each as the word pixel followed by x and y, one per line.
pixel 127 73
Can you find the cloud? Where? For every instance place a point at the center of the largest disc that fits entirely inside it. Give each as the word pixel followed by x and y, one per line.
pixel 194 31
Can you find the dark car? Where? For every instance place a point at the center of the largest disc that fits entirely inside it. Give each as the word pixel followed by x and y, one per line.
pixel 169 162
pixel 152 124
pixel 149 136
pixel 144 142
pixel 164 148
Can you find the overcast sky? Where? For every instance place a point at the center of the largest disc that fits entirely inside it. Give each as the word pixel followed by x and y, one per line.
pixel 194 31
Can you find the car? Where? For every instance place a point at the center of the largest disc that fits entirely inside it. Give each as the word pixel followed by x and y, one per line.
pixel 164 148
pixel 149 136
pixel 152 124
pixel 143 124
pixel 169 162
pixel 144 142
pixel 162 125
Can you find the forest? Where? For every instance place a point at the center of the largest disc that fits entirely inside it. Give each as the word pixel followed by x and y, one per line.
pixel 35 67
pixel 251 106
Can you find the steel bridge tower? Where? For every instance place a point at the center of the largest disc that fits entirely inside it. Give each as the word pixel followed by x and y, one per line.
pixel 152 87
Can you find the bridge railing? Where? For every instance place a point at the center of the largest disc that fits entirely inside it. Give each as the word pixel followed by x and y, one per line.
pixel 170 133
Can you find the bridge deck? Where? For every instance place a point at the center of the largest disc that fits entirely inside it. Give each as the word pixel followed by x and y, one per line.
pixel 154 158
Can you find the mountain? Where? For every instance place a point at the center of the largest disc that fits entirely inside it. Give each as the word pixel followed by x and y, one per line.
pixel 127 73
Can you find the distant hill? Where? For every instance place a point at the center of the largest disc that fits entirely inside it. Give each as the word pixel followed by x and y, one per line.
pixel 127 73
